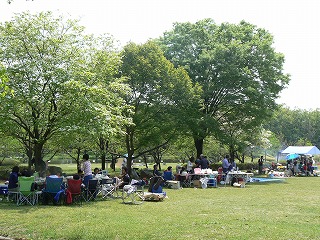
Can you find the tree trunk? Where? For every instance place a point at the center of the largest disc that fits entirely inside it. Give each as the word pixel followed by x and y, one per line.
pixel 78 158
pixel 232 152
pixel 40 165
pixel 103 145
pixel 130 149
pixel 29 153
pixel 242 158
pixel 199 146
pixel 113 162
pixel 145 160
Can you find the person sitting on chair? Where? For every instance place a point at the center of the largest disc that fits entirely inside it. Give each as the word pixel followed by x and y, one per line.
pixel 156 171
pixel 13 180
pixel 96 173
pixel 124 177
pixel 167 174
pixel 53 174
pixel 79 175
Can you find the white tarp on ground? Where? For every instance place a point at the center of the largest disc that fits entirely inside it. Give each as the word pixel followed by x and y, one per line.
pixel 313 150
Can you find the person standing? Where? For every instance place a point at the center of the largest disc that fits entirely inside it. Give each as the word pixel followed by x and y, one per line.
pixel 190 165
pixel 86 168
pixel 204 163
pixel 124 163
pixel 260 163
pixel 225 164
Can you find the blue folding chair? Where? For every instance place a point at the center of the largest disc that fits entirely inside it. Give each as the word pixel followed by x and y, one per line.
pixel 53 190
pixel 91 190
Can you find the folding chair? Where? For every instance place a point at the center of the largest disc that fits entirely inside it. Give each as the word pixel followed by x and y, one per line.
pixel 133 193
pixel 184 181
pixel 92 190
pixel 53 190
pixel 108 188
pixel 25 193
pixel 12 195
pixel 74 191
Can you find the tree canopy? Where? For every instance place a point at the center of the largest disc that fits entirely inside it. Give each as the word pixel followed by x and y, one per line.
pixel 58 87
pixel 240 72
pixel 160 97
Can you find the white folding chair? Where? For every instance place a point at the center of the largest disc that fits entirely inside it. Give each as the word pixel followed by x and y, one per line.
pixel 108 188
pixel 133 193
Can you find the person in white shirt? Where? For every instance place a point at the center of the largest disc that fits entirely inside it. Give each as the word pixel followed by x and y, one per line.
pixel 190 165
pixel 86 168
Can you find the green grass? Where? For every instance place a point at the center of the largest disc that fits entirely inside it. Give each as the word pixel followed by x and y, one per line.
pixel 260 211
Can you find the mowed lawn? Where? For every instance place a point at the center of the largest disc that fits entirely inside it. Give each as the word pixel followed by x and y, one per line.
pixel 289 210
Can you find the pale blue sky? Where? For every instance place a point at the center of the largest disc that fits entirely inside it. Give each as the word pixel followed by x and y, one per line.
pixel 294 24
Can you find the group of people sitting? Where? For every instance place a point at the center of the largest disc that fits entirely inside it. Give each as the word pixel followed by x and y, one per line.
pixel 302 167
pixel 85 173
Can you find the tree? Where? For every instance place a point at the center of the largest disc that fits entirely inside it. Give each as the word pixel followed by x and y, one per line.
pixel 295 127
pixel 49 63
pixel 160 96
pixel 237 67
pixel 9 147
pixel 105 65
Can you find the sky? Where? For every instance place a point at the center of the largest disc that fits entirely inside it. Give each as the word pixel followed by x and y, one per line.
pixel 295 25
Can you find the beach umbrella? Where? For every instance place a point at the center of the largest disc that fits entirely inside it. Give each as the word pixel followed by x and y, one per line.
pixel 292 156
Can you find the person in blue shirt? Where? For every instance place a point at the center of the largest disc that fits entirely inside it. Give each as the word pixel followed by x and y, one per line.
pixel 225 164
pixel 204 163
pixel 167 174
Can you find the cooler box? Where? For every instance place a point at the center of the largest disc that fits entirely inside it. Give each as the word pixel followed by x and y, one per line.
pixel 197 183
pixel 212 182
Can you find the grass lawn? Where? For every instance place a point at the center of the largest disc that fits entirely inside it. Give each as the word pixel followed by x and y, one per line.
pixel 260 211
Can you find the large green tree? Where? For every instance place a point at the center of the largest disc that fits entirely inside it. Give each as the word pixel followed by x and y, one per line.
pixel 50 63
pixel 161 96
pixel 239 71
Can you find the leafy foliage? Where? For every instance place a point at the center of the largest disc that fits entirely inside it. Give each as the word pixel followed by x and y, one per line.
pixel 237 68
pixel 59 86
pixel 160 97
pixel 295 127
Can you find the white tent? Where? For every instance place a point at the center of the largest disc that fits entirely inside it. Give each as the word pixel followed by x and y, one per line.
pixel 313 150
